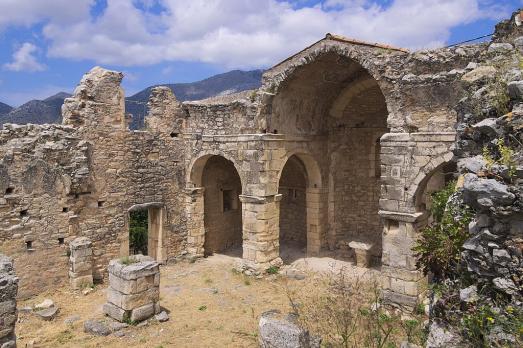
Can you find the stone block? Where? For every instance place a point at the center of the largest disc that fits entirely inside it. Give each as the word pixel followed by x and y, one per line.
pixel 143 312
pixel 277 330
pixel 115 312
pixel 81 282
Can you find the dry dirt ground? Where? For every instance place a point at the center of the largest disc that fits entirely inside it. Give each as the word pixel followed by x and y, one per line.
pixel 210 305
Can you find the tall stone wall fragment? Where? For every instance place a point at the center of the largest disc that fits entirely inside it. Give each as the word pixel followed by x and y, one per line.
pixel 8 292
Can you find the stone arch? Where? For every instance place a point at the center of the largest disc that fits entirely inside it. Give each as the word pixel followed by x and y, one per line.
pixel 425 173
pixel 313 171
pixel 214 204
pixel 276 78
pixel 197 164
pixel 300 218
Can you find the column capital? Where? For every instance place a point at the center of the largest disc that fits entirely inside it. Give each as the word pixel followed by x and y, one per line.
pixel 260 199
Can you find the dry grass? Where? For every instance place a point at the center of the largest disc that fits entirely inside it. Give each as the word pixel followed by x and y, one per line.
pixel 210 306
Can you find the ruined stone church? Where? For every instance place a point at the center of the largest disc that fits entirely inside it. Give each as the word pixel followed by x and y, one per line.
pixel 342 144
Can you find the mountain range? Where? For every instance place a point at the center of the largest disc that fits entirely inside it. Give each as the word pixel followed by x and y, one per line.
pixel 49 110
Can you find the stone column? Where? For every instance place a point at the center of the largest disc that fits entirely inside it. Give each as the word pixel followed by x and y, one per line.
pixel 8 313
pixel 403 284
pixel 316 204
pixel 134 289
pixel 261 219
pixel 81 263
pixel 195 220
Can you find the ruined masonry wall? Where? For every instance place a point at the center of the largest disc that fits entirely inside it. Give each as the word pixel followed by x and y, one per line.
pixel 8 313
pixel 45 171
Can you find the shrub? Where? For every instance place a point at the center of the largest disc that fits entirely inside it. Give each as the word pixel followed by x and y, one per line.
pixel 438 248
pixel 128 260
pixel 505 157
pixel 346 311
pixel 272 270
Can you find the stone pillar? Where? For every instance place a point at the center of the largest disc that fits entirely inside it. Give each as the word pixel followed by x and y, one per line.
pixel 316 220
pixel 81 263
pixel 195 221
pixel 261 220
pixel 8 313
pixel 403 284
pixel 134 289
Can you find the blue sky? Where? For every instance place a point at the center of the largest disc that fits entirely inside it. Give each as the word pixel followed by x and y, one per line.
pixel 46 46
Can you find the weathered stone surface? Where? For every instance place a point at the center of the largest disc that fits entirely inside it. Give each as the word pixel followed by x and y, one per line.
pixel 469 294
pixel 515 90
pixel 162 316
pixel 471 164
pixel 47 314
pixel 489 127
pixel 479 74
pixel 498 48
pixel 485 193
pixel 8 312
pixel 279 331
pixel 45 304
pixel 96 327
pixel 442 337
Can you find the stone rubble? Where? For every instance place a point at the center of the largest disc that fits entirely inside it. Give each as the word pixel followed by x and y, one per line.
pixel 277 330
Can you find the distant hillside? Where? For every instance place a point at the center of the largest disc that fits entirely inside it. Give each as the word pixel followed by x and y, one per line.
pixel 37 111
pixel 4 108
pixel 49 110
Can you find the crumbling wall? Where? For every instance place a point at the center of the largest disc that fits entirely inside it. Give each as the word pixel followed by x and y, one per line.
pixel 60 182
pixel 213 116
pixel 46 172
pixel 8 313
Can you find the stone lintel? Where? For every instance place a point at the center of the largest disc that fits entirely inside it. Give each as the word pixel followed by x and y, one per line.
pixel 260 199
pixel 144 206
pixel 398 216
pixel 437 137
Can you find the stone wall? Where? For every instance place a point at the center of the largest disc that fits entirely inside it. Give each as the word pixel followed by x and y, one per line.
pixel 46 176
pixel 8 313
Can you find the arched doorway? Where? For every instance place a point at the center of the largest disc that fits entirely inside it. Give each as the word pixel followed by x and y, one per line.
pixel 293 209
pixel 222 208
pixel 336 106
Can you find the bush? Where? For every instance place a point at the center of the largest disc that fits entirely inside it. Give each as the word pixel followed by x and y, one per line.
pixel 346 311
pixel 438 248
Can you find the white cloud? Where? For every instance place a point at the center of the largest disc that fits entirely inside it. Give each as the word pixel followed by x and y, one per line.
pixel 24 59
pixel 28 12
pixel 246 33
